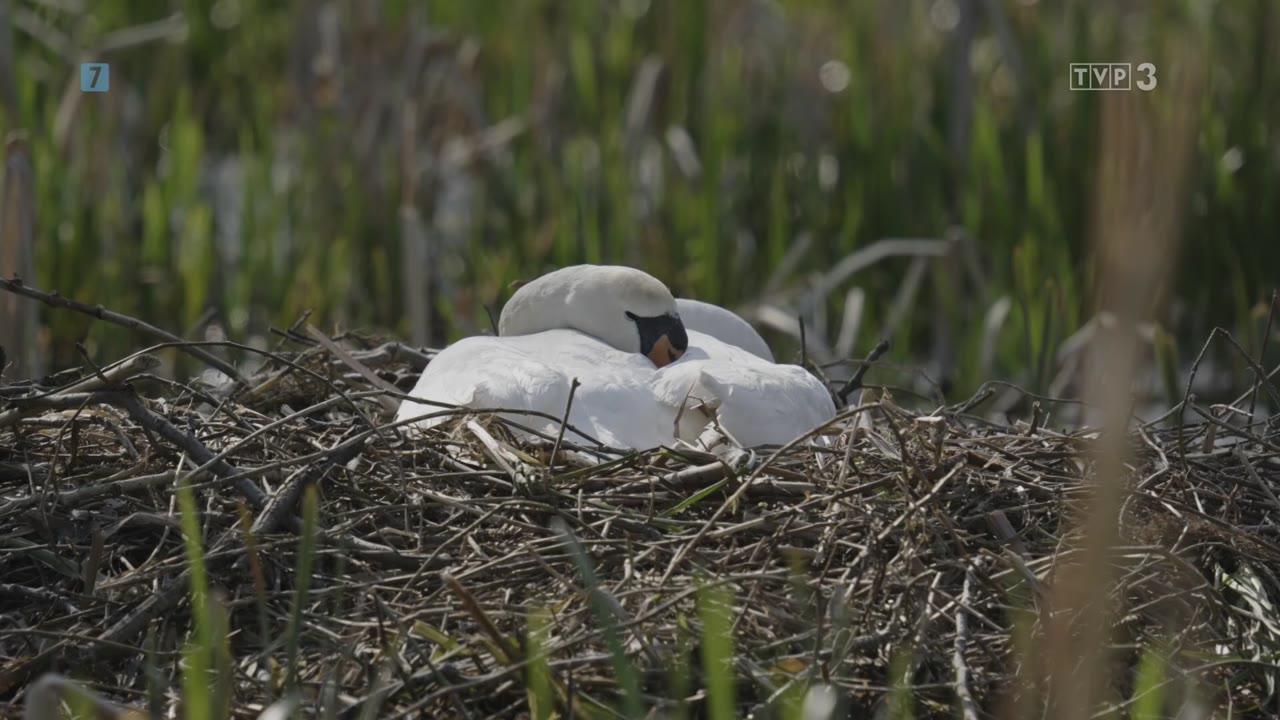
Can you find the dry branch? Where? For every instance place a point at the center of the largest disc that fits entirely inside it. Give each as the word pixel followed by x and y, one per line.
pixel 18 287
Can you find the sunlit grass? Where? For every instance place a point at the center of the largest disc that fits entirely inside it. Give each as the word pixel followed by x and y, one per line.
pixel 199 654
pixel 260 183
pixel 715 610
pixel 542 700
pixel 224 173
pixel 1148 689
pixel 603 607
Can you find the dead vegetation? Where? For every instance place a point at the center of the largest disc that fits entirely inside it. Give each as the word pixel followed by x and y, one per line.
pixel 893 550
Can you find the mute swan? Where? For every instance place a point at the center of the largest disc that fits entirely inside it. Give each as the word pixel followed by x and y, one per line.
pixel 598 300
pixel 613 402
pixel 608 327
pixel 645 378
pixel 727 376
pixel 723 325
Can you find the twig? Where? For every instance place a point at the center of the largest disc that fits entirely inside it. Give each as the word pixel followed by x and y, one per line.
pixel 568 405
pixel 477 613
pixel 804 343
pixel 102 379
pixel 1262 353
pixel 388 404
pixel 968 708
pixel 1252 472
pixel 855 382
pixel 18 287
pixel 493 319
pixel 188 444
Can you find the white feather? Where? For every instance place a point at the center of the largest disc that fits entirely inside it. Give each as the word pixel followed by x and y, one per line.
pixel 571 324
pixel 724 325
pixel 752 400
pixel 613 403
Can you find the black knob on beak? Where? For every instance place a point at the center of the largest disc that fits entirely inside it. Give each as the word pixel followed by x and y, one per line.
pixel 662 337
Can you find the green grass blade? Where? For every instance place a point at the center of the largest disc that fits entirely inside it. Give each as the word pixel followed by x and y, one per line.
pixel 306 557
pixel 197 655
pixel 626 673
pixel 678 686
pixel 1148 688
pixel 715 610
pixel 901 701
pixel 538 672
pixel 696 498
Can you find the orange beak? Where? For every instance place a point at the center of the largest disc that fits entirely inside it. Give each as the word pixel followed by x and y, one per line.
pixel 663 352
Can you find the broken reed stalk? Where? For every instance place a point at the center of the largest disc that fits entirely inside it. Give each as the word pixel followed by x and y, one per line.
pixel 17 286
pixel 1142 163
pixel 855 382
pixel 18 321
pixel 1260 378
pixel 564 422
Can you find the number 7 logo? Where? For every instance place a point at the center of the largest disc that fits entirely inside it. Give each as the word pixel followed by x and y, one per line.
pixel 95 77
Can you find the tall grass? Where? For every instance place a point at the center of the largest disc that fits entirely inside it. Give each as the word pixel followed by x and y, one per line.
pixel 252 159
pixel 207 673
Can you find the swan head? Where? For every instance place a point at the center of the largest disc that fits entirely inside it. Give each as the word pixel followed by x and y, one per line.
pixel 626 308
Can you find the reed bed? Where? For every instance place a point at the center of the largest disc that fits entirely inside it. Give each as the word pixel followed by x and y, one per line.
pixel 278 540
pixel 367 160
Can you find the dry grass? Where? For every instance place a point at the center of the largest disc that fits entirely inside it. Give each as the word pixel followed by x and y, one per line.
pixel 905 559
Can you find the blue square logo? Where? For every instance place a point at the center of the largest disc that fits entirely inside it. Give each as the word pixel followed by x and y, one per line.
pixel 95 77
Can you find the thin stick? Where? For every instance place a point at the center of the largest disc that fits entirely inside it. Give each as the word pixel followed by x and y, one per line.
pixel 112 376
pixel 855 382
pixel 1255 477
pixel 564 422
pixel 1262 354
pixel 188 443
pixel 16 286
pixel 1187 397
pixel 477 613
pixel 388 404
pixel 804 343
pixel 493 320
pixel 968 708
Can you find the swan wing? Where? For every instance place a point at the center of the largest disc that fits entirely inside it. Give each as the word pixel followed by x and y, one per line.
pixel 754 401
pixel 724 325
pixel 612 404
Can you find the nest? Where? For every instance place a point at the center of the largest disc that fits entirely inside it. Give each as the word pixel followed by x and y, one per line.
pixel 893 557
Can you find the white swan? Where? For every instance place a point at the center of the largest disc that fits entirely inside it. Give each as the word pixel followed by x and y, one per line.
pixel 645 379
pixel 629 309
pixel 727 382
pixel 723 325
pixel 608 327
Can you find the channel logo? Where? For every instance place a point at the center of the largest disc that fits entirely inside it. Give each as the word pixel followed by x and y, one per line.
pixel 1113 76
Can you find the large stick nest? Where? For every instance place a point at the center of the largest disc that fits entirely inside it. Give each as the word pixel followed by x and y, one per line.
pixel 894 550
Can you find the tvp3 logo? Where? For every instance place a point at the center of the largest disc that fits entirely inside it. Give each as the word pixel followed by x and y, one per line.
pixel 1113 76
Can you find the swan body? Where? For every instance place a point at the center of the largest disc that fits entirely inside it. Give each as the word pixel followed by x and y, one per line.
pixel 752 400
pixel 613 403
pixel 608 327
pixel 723 325
pixel 645 379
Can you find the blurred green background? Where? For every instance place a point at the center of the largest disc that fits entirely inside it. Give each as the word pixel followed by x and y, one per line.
pixel 395 165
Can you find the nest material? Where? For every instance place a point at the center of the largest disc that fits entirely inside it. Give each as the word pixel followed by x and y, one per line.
pixel 901 552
